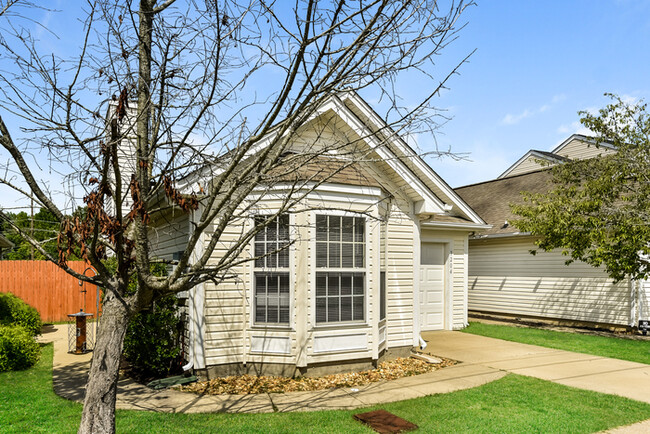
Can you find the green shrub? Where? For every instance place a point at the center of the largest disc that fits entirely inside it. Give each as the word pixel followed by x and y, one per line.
pixel 18 349
pixel 151 341
pixel 14 311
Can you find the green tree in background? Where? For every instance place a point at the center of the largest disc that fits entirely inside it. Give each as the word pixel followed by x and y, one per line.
pixel 599 210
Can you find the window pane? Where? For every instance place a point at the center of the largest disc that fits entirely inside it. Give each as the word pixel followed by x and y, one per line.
pixel 346 284
pixel 346 255
pixel 347 228
pixel 333 285
pixel 346 308
pixel 335 255
pixel 283 227
pixel 359 255
pixel 272 231
pixel 335 228
pixel 272 314
pixel 283 258
pixel 358 283
pixel 321 228
pixel 284 315
pixel 321 284
pixel 321 254
pixel 260 283
pixel 359 229
pixel 259 251
pixel 260 312
pixel 333 309
pixel 272 284
pixel 357 308
pixel 284 283
pixel 321 309
pixel 260 236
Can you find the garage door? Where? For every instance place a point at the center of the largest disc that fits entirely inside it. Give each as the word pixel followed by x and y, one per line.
pixel 432 286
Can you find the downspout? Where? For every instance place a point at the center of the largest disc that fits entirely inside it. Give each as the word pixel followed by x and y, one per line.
pixel 244 327
pixel 423 344
pixel 190 345
pixel 191 296
pixel 634 286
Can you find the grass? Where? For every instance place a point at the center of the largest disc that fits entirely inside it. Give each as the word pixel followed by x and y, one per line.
pixel 617 348
pixel 511 404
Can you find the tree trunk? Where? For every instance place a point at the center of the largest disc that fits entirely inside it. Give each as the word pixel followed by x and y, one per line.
pixel 99 404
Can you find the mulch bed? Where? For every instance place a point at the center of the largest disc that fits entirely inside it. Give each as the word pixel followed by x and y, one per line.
pixel 249 384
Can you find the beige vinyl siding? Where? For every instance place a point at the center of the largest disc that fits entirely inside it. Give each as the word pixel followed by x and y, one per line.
pixel 579 150
pixel 505 278
pixel 530 164
pixel 170 235
pixel 399 278
pixel 224 307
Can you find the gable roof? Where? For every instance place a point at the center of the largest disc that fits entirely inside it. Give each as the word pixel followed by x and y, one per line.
pixel 492 199
pixel 575 147
pixel 401 167
pixel 550 157
pixel 582 138
pixel 409 165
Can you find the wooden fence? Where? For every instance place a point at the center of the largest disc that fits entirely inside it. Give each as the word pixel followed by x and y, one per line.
pixel 52 291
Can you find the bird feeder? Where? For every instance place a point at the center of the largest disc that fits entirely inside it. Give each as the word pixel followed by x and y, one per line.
pixel 78 338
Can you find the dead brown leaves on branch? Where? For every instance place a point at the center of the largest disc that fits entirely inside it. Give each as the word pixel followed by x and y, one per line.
pixel 248 384
pixel 185 202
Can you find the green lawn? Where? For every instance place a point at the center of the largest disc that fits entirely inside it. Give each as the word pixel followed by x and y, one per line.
pixel 617 348
pixel 512 404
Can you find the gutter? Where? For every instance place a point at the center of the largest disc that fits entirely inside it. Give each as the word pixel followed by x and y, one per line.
pixel 506 235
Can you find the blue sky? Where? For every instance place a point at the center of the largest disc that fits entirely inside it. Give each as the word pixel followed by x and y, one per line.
pixel 537 64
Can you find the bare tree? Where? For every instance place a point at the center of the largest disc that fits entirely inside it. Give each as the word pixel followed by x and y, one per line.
pixel 213 91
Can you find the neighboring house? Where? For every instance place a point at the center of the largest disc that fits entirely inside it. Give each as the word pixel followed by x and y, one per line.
pixel 506 279
pixel 383 259
pixel 5 244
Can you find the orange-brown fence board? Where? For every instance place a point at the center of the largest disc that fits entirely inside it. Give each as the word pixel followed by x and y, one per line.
pixel 52 291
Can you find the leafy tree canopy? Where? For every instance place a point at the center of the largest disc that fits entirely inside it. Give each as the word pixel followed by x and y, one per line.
pixel 599 209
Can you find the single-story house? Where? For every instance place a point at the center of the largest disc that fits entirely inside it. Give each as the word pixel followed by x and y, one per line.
pixel 505 278
pixel 380 255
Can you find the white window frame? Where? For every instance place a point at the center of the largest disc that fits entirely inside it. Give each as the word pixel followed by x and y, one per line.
pixel 336 270
pixel 256 270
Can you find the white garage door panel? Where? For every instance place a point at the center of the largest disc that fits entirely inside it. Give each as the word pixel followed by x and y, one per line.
pixel 432 286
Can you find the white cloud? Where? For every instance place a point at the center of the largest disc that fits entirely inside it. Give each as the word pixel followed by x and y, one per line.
pixel 574 128
pixel 629 99
pixel 558 98
pixel 512 119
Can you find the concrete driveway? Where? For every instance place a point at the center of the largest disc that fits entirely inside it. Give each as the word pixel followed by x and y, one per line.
pixel 600 374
